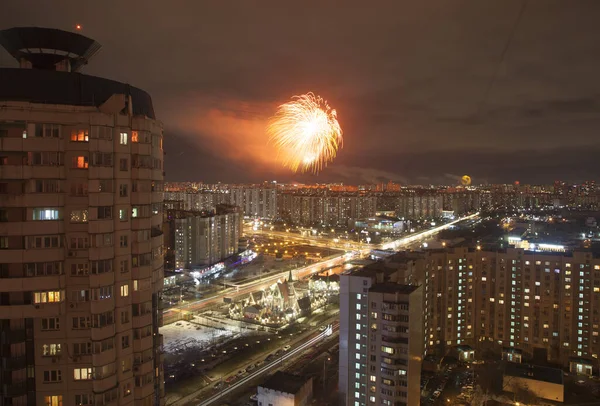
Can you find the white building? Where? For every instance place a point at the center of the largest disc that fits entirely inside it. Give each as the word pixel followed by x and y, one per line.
pixel 380 356
pixel 255 201
pixel 205 238
pixel 283 389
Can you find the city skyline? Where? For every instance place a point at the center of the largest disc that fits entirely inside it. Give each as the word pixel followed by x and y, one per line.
pixel 424 95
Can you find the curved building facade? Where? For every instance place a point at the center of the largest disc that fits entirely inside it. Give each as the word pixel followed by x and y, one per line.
pixel 81 244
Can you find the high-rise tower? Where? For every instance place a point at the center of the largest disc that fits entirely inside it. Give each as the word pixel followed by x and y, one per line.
pixel 81 262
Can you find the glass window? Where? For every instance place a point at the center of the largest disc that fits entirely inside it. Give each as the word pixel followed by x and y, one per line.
pixel 123 139
pixel 46 214
pixel 79 216
pixel 80 135
pixel 82 374
pixel 80 162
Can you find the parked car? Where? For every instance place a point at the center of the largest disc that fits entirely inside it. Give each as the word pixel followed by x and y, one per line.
pixel 250 367
pixel 287 347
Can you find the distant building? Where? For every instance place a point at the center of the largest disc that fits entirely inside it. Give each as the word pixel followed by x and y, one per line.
pixel 255 201
pixel 203 238
pixel 545 383
pixel 381 339
pixel 284 389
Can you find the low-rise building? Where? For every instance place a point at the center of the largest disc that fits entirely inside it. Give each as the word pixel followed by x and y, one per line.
pixel 284 389
pixel 543 382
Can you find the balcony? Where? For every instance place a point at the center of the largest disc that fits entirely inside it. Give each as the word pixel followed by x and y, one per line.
pixel 102 333
pixel 15 390
pixel 142 344
pixel 32 311
pixel 142 320
pixel 35 283
pixel 14 363
pixel 103 279
pixel 105 383
pixel 395 340
pixel 144 367
pixel 144 391
pixel 13 336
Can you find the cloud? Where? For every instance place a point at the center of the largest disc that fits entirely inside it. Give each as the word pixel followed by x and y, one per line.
pixel 355 174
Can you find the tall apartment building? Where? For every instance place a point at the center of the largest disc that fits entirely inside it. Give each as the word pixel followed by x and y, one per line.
pixel 81 265
pixel 545 305
pixel 381 339
pixel 327 208
pixel 198 200
pixel 255 201
pixel 204 238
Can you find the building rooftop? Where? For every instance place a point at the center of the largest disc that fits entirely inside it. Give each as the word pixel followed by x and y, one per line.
pixel 44 48
pixel 284 382
pixel 391 287
pixel 39 80
pixel 551 375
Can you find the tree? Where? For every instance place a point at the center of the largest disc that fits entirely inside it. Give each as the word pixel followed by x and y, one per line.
pixel 523 394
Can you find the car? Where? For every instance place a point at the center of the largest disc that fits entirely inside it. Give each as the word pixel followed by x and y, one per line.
pixel 287 347
pixel 436 394
pixel 218 385
pixel 254 397
pixel 259 364
pixel 322 328
pixel 250 367
pixel 231 379
pixel 241 372
pixel 277 353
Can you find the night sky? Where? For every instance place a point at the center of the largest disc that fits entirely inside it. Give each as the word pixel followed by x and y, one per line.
pixel 422 89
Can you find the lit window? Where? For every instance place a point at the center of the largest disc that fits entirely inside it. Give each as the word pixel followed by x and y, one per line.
pixel 123 139
pixel 134 136
pixel 80 162
pixel 79 216
pixel 50 349
pixel 82 374
pixel 125 291
pixel 47 297
pixel 55 400
pixel 122 214
pixel 80 135
pixel 46 214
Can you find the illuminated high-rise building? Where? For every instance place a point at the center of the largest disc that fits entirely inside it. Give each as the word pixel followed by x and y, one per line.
pixel 81 263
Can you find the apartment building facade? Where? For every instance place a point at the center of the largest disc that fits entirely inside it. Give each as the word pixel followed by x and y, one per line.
pixel 380 340
pixel 81 265
pixel 546 305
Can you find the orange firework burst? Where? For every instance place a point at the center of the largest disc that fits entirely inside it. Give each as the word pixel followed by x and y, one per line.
pixel 306 133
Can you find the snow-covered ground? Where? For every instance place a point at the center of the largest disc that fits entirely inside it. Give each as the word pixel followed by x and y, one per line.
pixel 183 334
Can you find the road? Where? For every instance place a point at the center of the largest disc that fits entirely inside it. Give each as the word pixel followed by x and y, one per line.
pixel 246 288
pixel 351 245
pixel 258 372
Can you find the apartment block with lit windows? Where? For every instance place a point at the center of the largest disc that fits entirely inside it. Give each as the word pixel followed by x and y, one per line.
pixel 380 339
pixel 546 305
pixel 81 264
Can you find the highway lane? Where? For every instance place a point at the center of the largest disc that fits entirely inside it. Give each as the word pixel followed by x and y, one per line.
pixel 263 370
pixel 351 245
pixel 254 285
